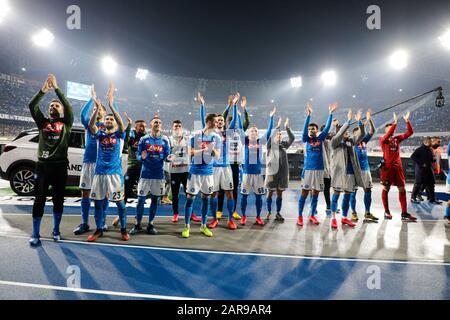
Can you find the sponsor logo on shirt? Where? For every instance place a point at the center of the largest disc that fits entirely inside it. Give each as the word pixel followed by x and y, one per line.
pixel 56 127
pixel 154 148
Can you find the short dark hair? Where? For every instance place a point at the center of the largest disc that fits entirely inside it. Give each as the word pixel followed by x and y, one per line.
pixel 210 117
pixel 389 125
pixel 313 125
pixel 176 122
pixel 139 121
pixel 355 129
pixel 110 115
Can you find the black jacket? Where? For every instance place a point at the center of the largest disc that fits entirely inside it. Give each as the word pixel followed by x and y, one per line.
pixel 423 160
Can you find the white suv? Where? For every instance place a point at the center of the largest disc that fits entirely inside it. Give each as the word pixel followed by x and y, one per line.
pixel 18 160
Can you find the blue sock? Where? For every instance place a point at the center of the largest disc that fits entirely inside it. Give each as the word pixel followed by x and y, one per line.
pixel 368 200
pixel 205 207
pixel 98 214
pixel 230 208
pixel 85 205
pixel 279 204
pixel 447 213
pixel 314 201
pixel 301 205
pixel 56 221
pixel 334 202
pixel 122 214
pixel 153 208
pixel 345 204
pixel 259 204
pixel 353 201
pixel 36 227
pixel 244 204
pixel 188 210
pixel 213 210
pixel 105 209
pixel 140 209
pixel 269 205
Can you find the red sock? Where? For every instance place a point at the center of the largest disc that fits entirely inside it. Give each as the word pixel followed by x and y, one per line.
pixel 384 197
pixel 402 198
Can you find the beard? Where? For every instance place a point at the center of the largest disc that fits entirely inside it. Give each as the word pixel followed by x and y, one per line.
pixel 109 127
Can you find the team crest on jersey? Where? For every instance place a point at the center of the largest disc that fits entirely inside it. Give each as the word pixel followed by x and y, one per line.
pixel 56 127
pixel 83 185
pixel 93 194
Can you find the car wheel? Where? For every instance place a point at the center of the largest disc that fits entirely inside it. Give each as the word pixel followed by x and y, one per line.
pixel 22 181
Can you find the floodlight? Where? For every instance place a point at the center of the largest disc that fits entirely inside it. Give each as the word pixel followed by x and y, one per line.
pixel 329 78
pixel 43 38
pixel 109 65
pixel 141 74
pixel 296 82
pixel 4 9
pixel 445 40
pixel 399 60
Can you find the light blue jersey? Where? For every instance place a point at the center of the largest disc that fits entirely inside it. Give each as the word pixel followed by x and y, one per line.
pixel 202 163
pixel 158 149
pixel 109 153
pixel 361 152
pixel 314 146
pixel 90 150
pixel 253 151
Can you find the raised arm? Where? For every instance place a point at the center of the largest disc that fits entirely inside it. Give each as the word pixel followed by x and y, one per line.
pixel 324 134
pixel 201 99
pixel 361 132
pixel 226 112
pixel 305 136
pixel 246 115
pixel 409 129
pixel 93 122
pixel 114 108
pixel 85 119
pixel 337 139
pixel 372 129
pixel 270 126
pixel 291 137
pixel 390 131
pixel 68 111
pixel 86 109
pixel 127 130
pixel 36 112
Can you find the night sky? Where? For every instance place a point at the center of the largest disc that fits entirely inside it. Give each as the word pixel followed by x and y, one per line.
pixel 242 40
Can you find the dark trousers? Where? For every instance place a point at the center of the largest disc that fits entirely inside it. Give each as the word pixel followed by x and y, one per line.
pixel 54 175
pixel 235 168
pixel 419 187
pixel 176 180
pixel 131 180
pixel 326 191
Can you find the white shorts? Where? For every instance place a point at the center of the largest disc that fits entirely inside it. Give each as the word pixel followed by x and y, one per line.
pixel 87 175
pixel 345 183
pixel 366 177
pixel 252 183
pixel 223 179
pixel 108 186
pixel 155 187
pixel 313 180
pixel 197 183
pixel 448 187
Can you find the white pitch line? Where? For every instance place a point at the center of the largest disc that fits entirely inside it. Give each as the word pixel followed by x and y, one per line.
pixel 91 291
pixel 267 255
